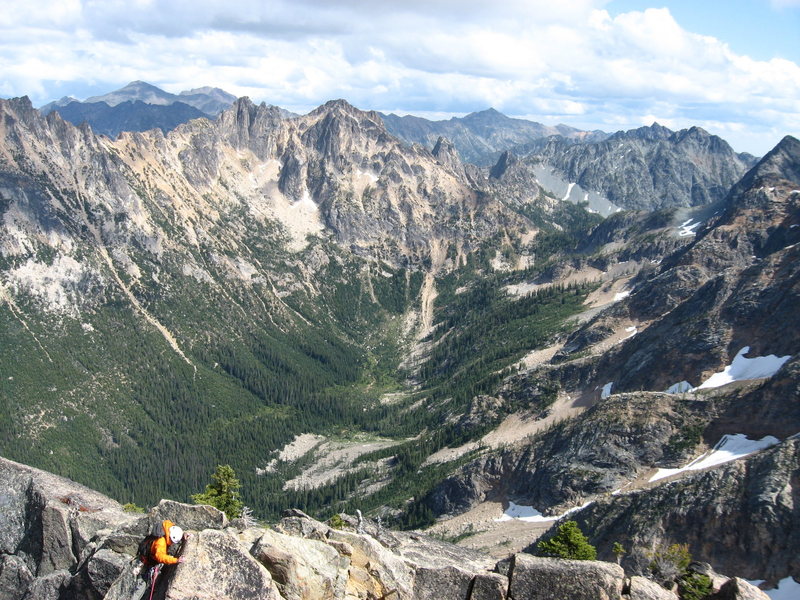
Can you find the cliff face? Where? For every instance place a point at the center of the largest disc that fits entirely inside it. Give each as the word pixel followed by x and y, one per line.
pixel 741 517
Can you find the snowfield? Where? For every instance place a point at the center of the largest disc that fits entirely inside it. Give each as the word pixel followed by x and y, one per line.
pixel 687 228
pixel 729 448
pixel 787 589
pixel 531 515
pixel 745 368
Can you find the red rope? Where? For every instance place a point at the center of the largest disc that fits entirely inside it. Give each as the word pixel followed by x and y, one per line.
pixel 156 571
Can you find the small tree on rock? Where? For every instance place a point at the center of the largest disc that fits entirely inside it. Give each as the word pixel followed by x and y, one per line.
pixel 569 542
pixel 222 492
pixel 619 551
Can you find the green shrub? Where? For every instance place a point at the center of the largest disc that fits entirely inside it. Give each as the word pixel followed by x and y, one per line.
pixel 132 507
pixel 618 550
pixel 695 586
pixel 569 542
pixel 337 522
pixel 222 492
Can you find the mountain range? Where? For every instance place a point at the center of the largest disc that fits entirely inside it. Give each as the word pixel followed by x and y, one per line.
pixel 353 321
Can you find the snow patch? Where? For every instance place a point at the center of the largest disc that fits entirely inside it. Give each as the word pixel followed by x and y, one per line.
pixel 621 295
pixel 786 589
pixel 679 388
pixel 531 515
pixel 606 392
pixel 632 331
pixel 371 177
pixel 729 448
pixel 569 191
pixel 687 228
pixel 746 368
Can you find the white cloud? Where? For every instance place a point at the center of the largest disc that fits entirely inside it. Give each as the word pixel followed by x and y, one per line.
pixel 567 61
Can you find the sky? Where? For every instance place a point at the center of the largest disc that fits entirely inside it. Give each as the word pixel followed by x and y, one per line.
pixel 729 66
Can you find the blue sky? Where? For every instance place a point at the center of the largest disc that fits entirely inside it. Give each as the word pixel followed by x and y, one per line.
pixel 730 66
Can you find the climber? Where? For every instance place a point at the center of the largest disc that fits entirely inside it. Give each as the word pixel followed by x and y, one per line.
pixel 173 535
pixel 157 551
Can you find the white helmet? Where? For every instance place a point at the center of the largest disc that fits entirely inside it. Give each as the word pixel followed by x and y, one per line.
pixel 175 534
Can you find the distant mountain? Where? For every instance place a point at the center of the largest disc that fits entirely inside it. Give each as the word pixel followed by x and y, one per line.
pixel 50 106
pixel 129 116
pixel 140 106
pixel 650 167
pixel 211 101
pixel 481 137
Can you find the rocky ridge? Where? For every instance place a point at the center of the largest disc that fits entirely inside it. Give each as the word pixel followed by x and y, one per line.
pixel 481 137
pixel 128 116
pixel 63 540
pixel 650 167
pixel 683 319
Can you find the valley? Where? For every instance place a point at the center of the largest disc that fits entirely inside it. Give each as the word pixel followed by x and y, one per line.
pixel 356 321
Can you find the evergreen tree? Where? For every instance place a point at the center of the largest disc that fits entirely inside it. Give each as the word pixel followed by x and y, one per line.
pixel 569 542
pixel 222 492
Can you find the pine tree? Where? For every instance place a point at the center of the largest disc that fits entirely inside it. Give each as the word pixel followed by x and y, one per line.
pixel 222 492
pixel 569 542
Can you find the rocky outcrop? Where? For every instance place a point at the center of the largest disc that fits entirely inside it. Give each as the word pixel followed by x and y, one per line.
pixel 741 516
pixel 595 454
pixel 739 589
pixel 534 578
pixel 641 588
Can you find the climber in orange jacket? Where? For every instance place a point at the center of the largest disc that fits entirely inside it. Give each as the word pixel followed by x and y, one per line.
pixel 172 535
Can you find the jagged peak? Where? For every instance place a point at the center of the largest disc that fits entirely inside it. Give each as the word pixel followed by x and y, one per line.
pixel 339 104
pixel 20 102
pixel 782 162
pixel 506 160
pixel 443 145
pixel 446 153
pixel 654 132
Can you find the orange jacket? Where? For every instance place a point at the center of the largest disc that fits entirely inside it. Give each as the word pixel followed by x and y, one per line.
pixel 160 546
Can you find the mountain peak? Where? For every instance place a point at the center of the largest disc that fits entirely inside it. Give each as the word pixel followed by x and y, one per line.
pixel 653 132
pixel 339 104
pixel 488 115
pixel 782 162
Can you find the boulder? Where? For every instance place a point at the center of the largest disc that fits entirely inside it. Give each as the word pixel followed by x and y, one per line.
pixel 642 588
pixel 103 569
pixel 301 525
pixel 15 577
pixel 489 586
pixel 303 569
pixel 217 567
pixel 535 578
pixel 739 589
pixel 194 517
pixel 375 569
pixel 52 586
pixel 442 582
